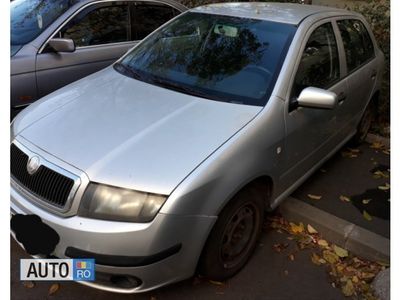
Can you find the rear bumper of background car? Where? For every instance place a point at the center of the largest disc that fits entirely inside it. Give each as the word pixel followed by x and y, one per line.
pixel 130 257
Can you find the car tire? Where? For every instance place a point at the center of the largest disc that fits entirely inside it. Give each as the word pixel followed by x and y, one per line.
pixel 363 126
pixel 234 236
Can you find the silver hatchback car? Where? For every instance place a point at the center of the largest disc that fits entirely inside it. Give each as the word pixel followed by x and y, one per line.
pixel 164 163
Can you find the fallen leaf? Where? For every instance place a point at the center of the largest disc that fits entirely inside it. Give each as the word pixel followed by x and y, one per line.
pixel 323 243
pixel 297 228
pixel 311 229
pixel 54 288
pixel 340 251
pixel 384 187
pixel 29 284
pixel 355 279
pixel 386 152
pixel 291 257
pixel 354 150
pixel 381 174
pixel 348 288
pixel 314 197
pixel 344 198
pixel 286 272
pixel 377 145
pixel 367 216
pixel 216 282
pixel 280 247
pixel 366 201
pixel 330 257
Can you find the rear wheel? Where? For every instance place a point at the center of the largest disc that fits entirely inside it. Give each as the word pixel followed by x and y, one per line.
pixel 234 236
pixel 363 126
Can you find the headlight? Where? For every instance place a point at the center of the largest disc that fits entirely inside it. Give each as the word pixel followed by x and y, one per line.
pixel 118 204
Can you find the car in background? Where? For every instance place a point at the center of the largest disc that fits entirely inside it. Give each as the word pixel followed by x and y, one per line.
pixel 54 43
pixel 163 164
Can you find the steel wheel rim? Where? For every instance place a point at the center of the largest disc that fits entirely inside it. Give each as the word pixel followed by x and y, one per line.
pixel 238 235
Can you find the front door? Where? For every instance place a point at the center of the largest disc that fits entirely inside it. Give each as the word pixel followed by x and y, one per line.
pixel 310 132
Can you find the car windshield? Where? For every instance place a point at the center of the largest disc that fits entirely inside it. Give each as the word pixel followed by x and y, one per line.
pixel 30 17
pixel 217 57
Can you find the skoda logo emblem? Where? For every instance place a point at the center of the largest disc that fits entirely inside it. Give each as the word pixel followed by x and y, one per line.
pixel 33 164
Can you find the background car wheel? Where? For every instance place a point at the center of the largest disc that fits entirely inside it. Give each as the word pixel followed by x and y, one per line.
pixel 363 126
pixel 234 236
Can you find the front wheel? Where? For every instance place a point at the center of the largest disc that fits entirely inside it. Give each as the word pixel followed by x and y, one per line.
pixel 234 236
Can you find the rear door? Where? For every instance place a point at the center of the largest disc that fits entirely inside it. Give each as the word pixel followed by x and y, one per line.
pixel 311 132
pixel 361 71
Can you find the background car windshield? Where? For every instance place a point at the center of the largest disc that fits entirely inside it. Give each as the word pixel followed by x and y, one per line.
pixel 30 17
pixel 217 57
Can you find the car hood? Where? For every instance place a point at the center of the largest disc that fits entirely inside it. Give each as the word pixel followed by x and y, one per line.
pixel 127 133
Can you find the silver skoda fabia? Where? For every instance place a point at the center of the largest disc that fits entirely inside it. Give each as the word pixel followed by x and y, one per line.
pixel 163 164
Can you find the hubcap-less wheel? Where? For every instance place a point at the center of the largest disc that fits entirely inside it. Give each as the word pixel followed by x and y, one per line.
pixel 234 236
pixel 238 234
pixel 365 124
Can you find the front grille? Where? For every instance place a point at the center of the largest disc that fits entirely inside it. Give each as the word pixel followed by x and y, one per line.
pixel 45 183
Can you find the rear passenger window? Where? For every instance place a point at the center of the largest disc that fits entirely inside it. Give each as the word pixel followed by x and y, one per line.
pixel 358 45
pixel 149 17
pixel 319 65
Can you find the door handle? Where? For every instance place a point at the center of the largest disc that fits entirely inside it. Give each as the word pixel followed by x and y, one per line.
pixel 341 97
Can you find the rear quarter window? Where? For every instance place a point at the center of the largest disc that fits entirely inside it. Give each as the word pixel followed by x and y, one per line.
pixel 357 43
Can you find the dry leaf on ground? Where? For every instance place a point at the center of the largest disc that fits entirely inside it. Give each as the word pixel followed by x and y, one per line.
pixel 54 288
pixel 348 288
pixel 216 282
pixel 323 243
pixel 366 201
pixel 384 187
pixel 311 229
pixel 296 228
pixel 29 284
pixel 344 198
pixel 314 197
pixel 340 251
pixel 367 216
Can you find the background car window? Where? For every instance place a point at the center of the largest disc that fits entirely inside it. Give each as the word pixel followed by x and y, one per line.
pixel 99 25
pixel 148 17
pixel 319 65
pixel 357 43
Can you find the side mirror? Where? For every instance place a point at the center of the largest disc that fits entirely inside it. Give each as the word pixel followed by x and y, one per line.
pixel 317 98
pixel 62 45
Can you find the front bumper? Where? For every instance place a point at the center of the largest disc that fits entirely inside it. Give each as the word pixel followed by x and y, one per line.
pixel 186 235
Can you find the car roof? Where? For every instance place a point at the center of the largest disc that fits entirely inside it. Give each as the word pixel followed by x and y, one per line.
pixel 279 12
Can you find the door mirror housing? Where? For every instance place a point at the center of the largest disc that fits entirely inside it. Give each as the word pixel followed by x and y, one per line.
pixel 317 98
pixel 62 45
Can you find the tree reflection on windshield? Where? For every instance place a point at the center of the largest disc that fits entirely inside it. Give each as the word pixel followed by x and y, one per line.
pixel 225 57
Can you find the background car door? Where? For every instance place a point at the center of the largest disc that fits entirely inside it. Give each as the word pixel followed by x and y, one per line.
pixel 310 132
pixel 102 33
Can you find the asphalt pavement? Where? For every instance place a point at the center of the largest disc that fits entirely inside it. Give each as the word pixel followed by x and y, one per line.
pixel 353 174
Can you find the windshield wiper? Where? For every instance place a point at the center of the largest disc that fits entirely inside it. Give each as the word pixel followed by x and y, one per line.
pixel 120 67
pixel 184 89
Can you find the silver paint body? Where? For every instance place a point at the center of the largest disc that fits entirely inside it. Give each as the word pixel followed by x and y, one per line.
pixel 36 74
pixel 116 130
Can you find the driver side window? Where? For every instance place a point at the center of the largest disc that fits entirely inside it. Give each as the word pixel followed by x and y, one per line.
pixel 319 65
pixel 99 25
